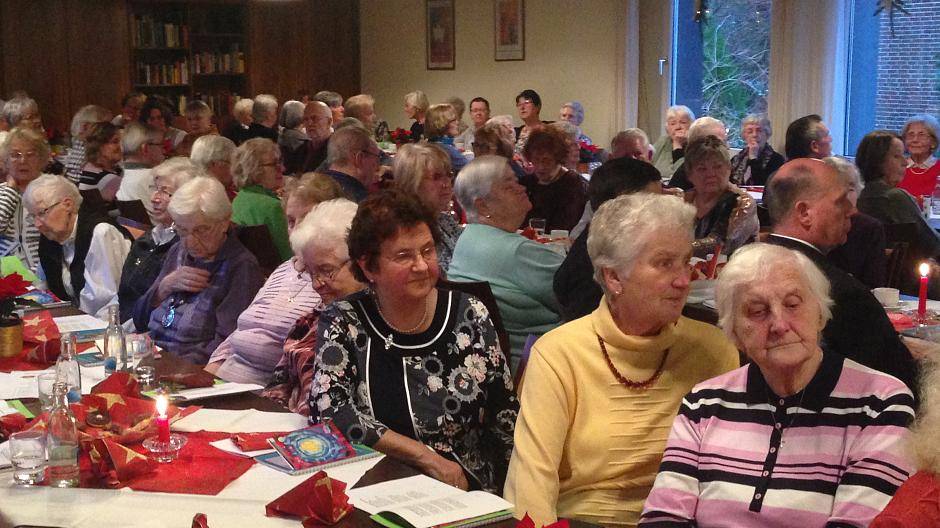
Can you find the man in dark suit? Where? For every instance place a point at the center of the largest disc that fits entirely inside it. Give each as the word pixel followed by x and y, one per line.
pixel 810 210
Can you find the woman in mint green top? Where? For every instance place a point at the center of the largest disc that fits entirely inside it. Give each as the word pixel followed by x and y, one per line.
pixel 519 271
pixel 258 173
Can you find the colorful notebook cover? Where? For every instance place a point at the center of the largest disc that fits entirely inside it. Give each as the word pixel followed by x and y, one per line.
pixel 276 461
pixel 313 446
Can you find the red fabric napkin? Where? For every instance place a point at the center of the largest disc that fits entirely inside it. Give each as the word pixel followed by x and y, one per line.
pixel 317 501
pixel 254 441
pixel 200 521
pixel 900 321
pixel 115 465
pixel 527 522
pixel 191 380
pixel 118 383
pixel 40 344
pixel 11 423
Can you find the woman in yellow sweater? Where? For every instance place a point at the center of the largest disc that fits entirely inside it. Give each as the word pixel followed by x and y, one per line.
pixel 600 393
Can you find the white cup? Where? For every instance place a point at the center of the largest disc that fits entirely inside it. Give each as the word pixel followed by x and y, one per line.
pixel 887 296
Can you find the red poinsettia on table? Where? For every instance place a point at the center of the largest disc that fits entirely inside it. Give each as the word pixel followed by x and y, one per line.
pixel 401 136
pixel 11 287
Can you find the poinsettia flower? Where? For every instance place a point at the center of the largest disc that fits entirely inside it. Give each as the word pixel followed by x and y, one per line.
pixel 13 285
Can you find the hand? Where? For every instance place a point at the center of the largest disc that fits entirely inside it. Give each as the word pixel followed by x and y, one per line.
pixel 752 150
pixel 745 207
pixel 185 279
pixel 444 470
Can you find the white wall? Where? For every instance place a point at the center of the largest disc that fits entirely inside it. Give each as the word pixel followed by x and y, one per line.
pixel 574 50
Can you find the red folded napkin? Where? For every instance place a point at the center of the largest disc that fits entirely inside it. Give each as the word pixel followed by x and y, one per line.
pixel 115 465
pixel 317 501
pixel 527 522
pixel 191 380
pixel 254 441
pixel 11 423
pixel 200 521
pixel 118 383
pixel 900 321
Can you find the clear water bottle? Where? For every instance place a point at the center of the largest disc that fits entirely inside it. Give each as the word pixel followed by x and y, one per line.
pixel 62 440
pixel 935 201
pixel 68 369
pixel 115 346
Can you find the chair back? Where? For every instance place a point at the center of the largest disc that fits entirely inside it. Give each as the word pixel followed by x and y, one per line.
pixel 134 210
pixel 257 239
pixel 899 239
pixel 523 362
pixel 481 290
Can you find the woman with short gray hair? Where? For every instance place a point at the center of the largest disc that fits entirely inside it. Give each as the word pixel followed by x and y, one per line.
pixel 669 150
pixel 757 160
pixel 292 140
pixel 416 107
pixel 921 136
pixel 257 171
pixel 207 279
pixel 634 358
pixel 212 154
pixel 23 154
pixel 22 112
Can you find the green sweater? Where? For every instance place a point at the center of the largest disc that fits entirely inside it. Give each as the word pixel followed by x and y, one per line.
pixel 256 205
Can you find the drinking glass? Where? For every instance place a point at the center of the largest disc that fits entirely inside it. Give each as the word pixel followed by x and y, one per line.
pixel 538 224
pixel 139 346
pixel 45 380
pixel 145 377
pixel 28 456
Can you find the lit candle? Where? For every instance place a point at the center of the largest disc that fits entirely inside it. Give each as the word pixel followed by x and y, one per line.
pixel 922 297
pixel 163 422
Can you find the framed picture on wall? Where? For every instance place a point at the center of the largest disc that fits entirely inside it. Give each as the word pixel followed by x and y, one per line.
pixel 509 16
pixel 440 34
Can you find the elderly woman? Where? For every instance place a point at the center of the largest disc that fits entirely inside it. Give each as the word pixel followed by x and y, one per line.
pixel 81 249
pixel 253 350
pixel 199 121
pixel 488 139
pixel 257 171
pixel 440 128
pixel 22 112
pixel 757 160
pixel 557 194
pixel 799 436
pixel 503 125
pixel 416 107
pixel 423 171
pixel 212 155
pixel 24 154
pixel 600 392
pixel 148 252
pixel 519 270
pixel 669 150
pixel 409 369
pixel 570 133
pixel 241 120
pixel 701 128
pixel 320 240
pixel 208 278
pixel 921 135
pixel 99 179
pixel 292 140
pixel 81 125
pixel 573 112
pixel 725 216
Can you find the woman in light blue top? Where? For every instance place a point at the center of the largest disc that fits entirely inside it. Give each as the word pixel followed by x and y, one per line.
pixel 519 271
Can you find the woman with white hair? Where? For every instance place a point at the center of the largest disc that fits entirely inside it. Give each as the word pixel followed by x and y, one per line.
pixel 921 136
pixel 423 170
pixel 799 436
pixel 757 160
pixel 699 129
pixel 24 153
pixel 519 270
pixel 81 249
pixel 148 252
pixel 416 107
pixel 292 140
pixel 573 112
pixel 212 155
pixel 23 112
pixel 258 174
pixel 320 240
pixel 241 120
pixel 669 150
pixel 208 278
pixel 251 353
pixel 600 392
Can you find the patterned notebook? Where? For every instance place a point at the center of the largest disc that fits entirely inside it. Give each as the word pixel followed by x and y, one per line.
pixel 313 446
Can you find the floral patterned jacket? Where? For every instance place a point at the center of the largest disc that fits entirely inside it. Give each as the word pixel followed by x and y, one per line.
pixel 448 387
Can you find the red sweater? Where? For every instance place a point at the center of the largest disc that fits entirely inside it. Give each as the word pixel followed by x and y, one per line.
pixel 916 503
pixel 920 182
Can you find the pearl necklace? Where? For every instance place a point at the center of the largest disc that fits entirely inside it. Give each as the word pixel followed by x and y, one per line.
pixel 389 340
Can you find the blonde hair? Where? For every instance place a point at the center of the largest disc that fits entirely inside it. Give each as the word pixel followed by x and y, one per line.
pixel 246 162
pixel 419 100
pixel 37 140
pixel 313 188
pixel 439 116
pixel 414 160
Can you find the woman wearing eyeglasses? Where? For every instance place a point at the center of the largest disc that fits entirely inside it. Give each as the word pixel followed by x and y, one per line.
pixel 24 153
pixel 258 174
pixel 208 277
pixel 410 369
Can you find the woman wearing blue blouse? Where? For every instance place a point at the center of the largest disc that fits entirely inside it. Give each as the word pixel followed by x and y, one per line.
pixel 441 127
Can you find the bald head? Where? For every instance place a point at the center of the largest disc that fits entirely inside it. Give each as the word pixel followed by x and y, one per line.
pixel 318 120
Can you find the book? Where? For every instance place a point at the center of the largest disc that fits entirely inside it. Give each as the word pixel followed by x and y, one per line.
pixel 84 327
pixel 274 460
pixel 423 502
pixel 313 446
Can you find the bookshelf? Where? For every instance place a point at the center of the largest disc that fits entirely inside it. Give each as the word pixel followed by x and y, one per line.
pixel 186 50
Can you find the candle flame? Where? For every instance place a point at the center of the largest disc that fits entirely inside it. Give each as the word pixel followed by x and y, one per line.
pixel 162 404
pixel 924 269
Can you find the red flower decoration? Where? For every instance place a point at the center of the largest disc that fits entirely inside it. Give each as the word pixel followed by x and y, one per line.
pixel 13 285
pixel 588 147
pixel 400 135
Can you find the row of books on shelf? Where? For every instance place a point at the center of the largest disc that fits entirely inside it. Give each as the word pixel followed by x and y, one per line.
pixel 208 62
pixel 147 32
pixel 163 73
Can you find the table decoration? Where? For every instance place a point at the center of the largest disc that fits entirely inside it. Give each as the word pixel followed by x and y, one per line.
pixel 255 441
pixel 527 522
pixel 922 294
pixel 11 326
pixel 165 447
pixel 317 501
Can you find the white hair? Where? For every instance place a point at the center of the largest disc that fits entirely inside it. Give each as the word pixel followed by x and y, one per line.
pixel 179 170
pixel 202 198
pixel 578 110
pixel 621 229
pixel 762 263
pixel 264 106
pixel 292 114
pixel 326 227
pixel 86 115
pixel 847 170
pixel 501 119
pixel 922 442
pixel 705 126
pixel 628 134
pixel 568 128
pixel 48 189
pixel 211 148
pixel 16 108
pixel 680 111
pixel 476 180
pixel 135 135
pixel 243 107
pixel 759 120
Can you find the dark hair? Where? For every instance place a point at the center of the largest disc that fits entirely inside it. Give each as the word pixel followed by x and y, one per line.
pixel 131 95
pixel 530 95
pixel 489 136
pixel 98 135
pixel 871 154
pixel 379 218
pixel 153 103
pixel 800 136
pixel 702 149
pixel 479 100
pixel 548 139
pixel 620 176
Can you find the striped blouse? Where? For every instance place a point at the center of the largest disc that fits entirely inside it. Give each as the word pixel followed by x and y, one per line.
pixel 252 351
pixel 830 455
pixel 18 233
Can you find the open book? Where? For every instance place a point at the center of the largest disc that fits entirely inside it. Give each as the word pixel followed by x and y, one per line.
pixel 422 502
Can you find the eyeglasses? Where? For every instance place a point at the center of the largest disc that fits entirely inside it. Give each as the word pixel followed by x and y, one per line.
pixel 376 154
pixel 43 212
pixel 409 257
pixel 323 275
pixel 17 155
pixel 441 177
pixel 198 231
pixel 916 135
pixel 164 190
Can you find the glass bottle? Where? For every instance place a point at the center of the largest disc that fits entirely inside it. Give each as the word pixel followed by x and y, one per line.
pixel 115 346
pixel 68 369
pixel 62 440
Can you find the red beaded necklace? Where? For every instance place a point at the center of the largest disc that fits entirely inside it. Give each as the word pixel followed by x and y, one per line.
pixel 630 384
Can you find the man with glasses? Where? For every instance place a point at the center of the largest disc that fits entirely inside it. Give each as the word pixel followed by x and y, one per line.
pixel 142 146
pixel 353 159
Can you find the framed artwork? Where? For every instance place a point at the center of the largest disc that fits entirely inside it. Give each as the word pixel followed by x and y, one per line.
pixel 509 17
pixel 439 18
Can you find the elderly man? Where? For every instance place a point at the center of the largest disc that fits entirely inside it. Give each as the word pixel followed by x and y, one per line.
pixel 318 122
pixel 810 210
pixel 808 137
pixel 334 101
pixel 264 120
pixel 142 146
pixel 212 155
pixel 354 161
pixel 701 127
pixel 631 143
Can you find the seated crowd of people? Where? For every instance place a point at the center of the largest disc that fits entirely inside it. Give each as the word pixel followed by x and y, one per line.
pixel 396 292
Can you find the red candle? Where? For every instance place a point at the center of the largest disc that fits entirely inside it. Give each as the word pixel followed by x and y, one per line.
pixel 163 422
pixel 922 297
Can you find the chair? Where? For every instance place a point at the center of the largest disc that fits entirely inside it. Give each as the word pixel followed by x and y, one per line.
pixel 481 290
pixel 257 240
pixel 900 238
pixel 134 210
pixel 523 362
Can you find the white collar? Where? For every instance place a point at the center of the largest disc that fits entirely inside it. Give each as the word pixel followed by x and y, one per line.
pixel 801 241
pixel 927 163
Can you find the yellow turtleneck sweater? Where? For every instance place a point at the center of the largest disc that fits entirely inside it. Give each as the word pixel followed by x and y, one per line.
pixel 588 448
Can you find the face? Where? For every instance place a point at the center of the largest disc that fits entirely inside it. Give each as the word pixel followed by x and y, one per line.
pixel 453 128
pixel 296 210
pixel 822 147
pixel 753 135
pixel 410 110
pixel 31 119
pixel 161 191
pixel 368 117
pixel 569 115
pixel 777 323
pixel 527 109
pixel 339 112
pixel 272 172
pixel 155 119
pixel 55 218
pixel 153 151
pixel 634 148
pixel 131 111
pixel 201 238
pixel 507 199
pixel 24 164
pixel 677 127
pixel 919 142
pixel 655 288
pixel 437 189
pixel 199 123
pixel 331 275
pixel 110 152
pixel 407 266
pixel 317 122
pixel 894 164
pixel 479 113
pixel 710 175
pixel 545 165
pixel 368 164
pixel 830 213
